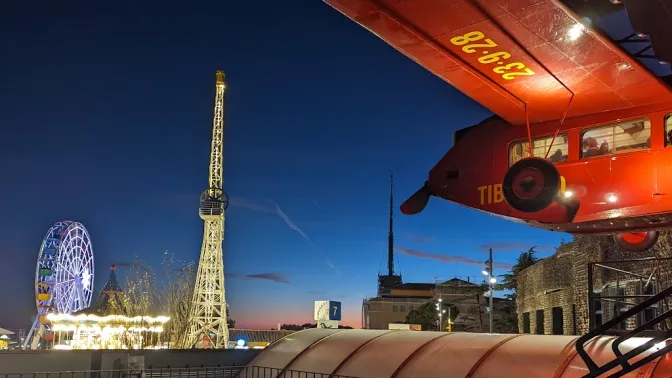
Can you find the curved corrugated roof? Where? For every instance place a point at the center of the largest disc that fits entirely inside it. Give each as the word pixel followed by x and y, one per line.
pixel 392 353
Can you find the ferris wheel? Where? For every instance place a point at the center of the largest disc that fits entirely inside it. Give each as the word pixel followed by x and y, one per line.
pixel 63 275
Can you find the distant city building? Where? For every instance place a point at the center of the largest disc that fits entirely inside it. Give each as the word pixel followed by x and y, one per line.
pixel 552 295
pixel 395 299
pixel 5 339
pixel 393 304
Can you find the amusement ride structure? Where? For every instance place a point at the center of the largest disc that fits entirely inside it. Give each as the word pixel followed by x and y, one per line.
pixel 207 322
pixel 63 277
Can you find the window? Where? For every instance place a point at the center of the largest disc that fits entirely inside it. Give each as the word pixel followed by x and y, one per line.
pixel 668 130
pixel 395 308
pixel 597 303
pixel 620 307
pixel 557 153
pixel 615 138
pixel 558 321
pixel 402 309
pixel 540 322
pixel 650 312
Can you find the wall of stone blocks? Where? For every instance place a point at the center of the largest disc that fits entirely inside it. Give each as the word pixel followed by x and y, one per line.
pixel 562 279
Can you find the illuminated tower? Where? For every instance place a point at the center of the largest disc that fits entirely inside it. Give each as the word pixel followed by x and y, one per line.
pixel 207 321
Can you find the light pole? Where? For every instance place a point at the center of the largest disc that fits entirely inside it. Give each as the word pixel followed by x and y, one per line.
pixel 440 311
pixel 491 285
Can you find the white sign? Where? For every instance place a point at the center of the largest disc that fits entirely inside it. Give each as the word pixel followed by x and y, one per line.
pixel 327 324
pixel 321 310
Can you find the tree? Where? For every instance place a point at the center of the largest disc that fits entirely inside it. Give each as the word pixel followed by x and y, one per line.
pixel 229 320
pixel 510 282
pixel 172 298
pixel 428 317
pixel 296 327
pixel 176 295
pixel 139 296
pixel 291 327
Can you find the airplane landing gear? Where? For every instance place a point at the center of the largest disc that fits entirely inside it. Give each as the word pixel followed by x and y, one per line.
pixel 531 185
pixel 636 241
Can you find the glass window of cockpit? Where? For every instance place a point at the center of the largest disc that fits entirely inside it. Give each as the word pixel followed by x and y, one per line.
pixel 555 149
pixel 615 138
pixel 518 151
pixel 668 130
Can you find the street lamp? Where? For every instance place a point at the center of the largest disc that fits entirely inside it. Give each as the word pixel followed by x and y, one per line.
pixel 491 285
pixel 440 312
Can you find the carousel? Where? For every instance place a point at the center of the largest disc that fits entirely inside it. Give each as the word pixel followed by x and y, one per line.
pixel 105 325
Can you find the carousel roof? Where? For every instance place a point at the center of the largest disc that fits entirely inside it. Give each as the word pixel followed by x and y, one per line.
pixel 111 298
pixel 112 283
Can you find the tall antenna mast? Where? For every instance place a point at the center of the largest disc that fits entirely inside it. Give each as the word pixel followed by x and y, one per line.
pixel 207 327
pixel 390 235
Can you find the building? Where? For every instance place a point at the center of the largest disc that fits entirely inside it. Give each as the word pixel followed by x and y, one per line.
pixel 5 340
pixel 395 299
pixel 552 295
pixel 393 304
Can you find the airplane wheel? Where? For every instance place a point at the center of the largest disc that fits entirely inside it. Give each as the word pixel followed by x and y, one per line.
pixel 636 241
pixel 531 185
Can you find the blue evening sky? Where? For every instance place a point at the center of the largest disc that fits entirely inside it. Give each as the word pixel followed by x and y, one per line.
pixel 106 109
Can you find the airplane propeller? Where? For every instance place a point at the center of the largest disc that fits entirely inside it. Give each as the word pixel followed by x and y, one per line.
pixel 417 202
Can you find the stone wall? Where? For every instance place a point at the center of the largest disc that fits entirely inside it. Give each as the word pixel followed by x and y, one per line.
pixel 544 286
pixel 562 280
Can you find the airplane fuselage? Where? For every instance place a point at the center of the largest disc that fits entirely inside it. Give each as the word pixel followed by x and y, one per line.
pixel 617 164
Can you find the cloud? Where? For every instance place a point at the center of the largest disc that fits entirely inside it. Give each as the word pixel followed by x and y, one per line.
pixel 288 221
pixel 513 246
pixel 332 266
pixel 252 205
pixel 275 277
pixel 419 238
pixel 449 258
pixel 248 204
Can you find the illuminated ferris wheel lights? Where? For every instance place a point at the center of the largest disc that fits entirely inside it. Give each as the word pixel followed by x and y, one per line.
pixel 63 275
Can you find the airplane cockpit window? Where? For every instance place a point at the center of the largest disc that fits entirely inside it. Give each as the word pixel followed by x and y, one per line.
pixel 616 138
pixel 557 151
pixel 668 130
pixel 518 151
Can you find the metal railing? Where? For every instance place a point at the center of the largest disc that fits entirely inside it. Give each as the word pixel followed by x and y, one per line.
pixel 200 372
pixel 651 326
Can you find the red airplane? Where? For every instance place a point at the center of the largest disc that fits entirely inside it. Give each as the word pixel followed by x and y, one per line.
pixel 599 122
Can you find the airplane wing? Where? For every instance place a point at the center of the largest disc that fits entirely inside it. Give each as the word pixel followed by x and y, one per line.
pixel 512 54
